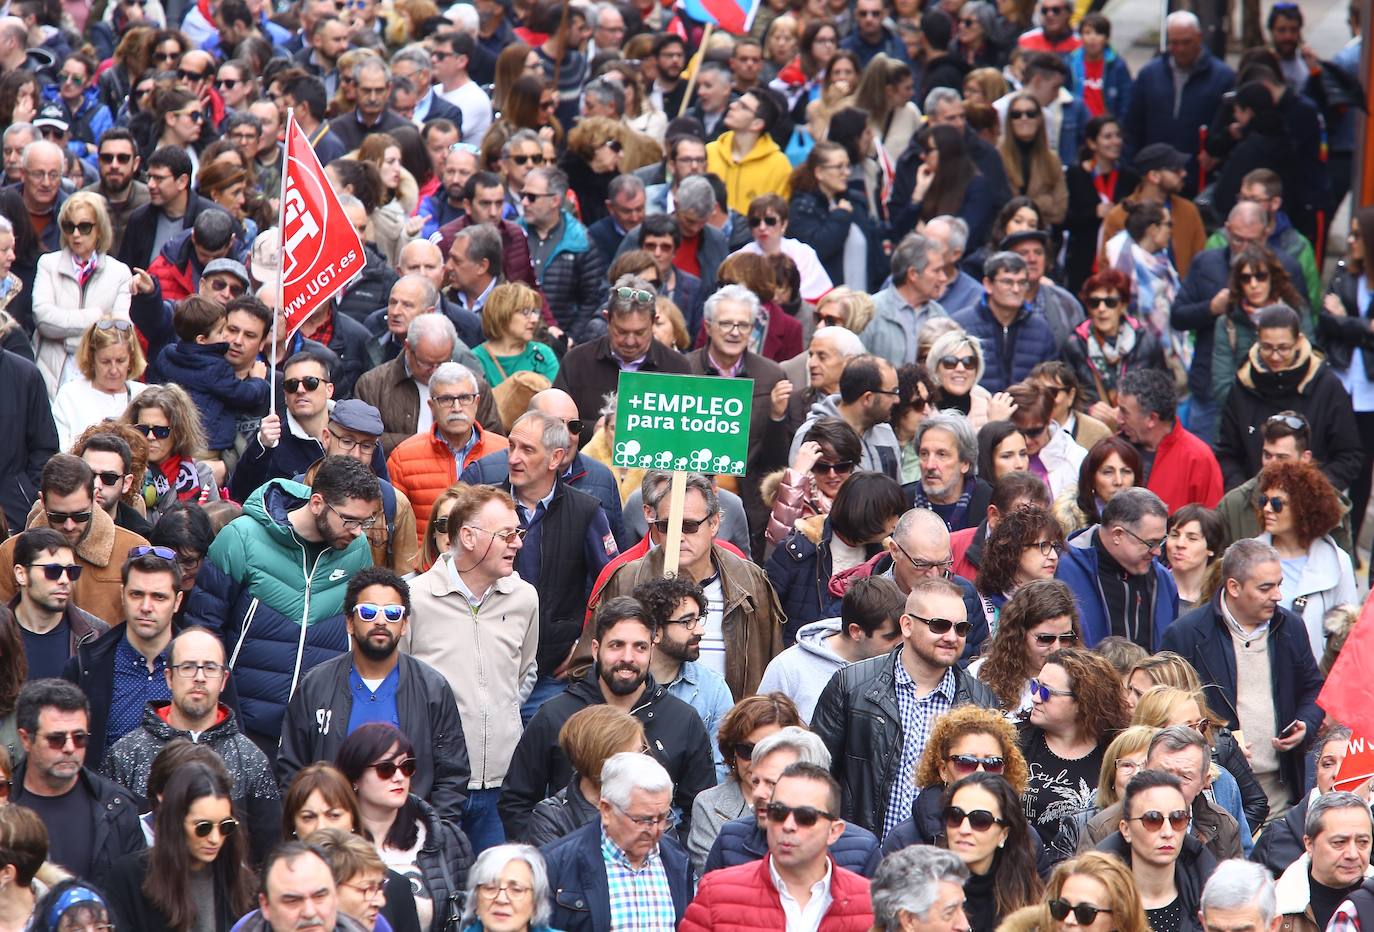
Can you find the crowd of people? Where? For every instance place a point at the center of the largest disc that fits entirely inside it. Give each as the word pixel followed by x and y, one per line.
pixel 1060 444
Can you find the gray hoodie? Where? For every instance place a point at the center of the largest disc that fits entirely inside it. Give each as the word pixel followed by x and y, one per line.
pixel 882 452
pixel 801 671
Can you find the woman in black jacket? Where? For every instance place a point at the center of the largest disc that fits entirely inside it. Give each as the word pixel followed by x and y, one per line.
pixel 1264 143
pixel 196 866
pixel 1097 181
pixel 824 215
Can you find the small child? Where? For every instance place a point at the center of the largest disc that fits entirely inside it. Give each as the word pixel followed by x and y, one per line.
pixel 196 362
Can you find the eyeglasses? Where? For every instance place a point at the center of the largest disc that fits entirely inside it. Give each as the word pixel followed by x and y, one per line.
pixel 109 478
pixel 109 158
pixel 62 517
pixel 190 670
pixel 689 621
pixel 85 227
pixel 1041 692
pixel 838 166
pixel 1291 421
pixel 1151 545
pixel 613 144
pixel 448 401
pixel 732 326
pixel 965 764
pixel 1067 638
pixel 980 820
pixel 925 566
pixel 764 221
pixel 369 891
pixel 1053 10
pixel 666 819
pixel 203 827
pixel 1246 278
pixel 54 571
pixel 57 740
pixel 311 382
pixel 368 611
pixel 506 537
pixel 841 468
pixel 1272 502
pixel 1046 547
pixel 806 816
pixel 1023 114
pixel 353 524
pixel 1153 820
pixel 523 160
pixel 1275 349
pixel 50 177
pixel 165 553
pixel 348 444
pixel 634 294
pixel 1107 301
pixel 387 769
pixel 1201 726
pixel 166 56
pixel 1084 913
pixel 943 625
pixel 516 891
pixel 160 431
pixel 953 362
pixel 688 525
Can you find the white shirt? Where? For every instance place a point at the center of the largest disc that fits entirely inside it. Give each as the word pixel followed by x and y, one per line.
pixel 713 641
pixel 425 422
pixel 803 918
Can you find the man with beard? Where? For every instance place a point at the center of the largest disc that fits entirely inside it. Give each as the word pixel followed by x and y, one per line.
pixel 52 627
pixel 197 676
pixel 119 166
pixel 477 622
pixel 949 484
pixel 377 682
pixel 446 204
pixel 622 651
pixel 274 582
pixel 677 606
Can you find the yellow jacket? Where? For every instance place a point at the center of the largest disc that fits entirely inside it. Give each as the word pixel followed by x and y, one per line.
pixel 764 170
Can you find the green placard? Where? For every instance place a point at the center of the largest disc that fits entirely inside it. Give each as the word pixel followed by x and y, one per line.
pixel 683 423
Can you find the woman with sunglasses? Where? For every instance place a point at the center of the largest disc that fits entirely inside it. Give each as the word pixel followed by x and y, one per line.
pixel 1109 343
pixel 1054 456
pixel 76 286
pixel 589 738
pixel 169 421
pixel 956 361
pixel 1096 888
pixel 985 827
pixel 1036 621
pixel 1257 280
pixel 1033 169
pixel 768 224
pixel 236 84
pixel 1077 707
pixel 967 739
pixel 828 456
pixel 194 876
pixel 110 360
pixel 178 121
pixel 1170 865
pixel 916 388
pixel 593 158
pixel 510 320
pixel 1023 546
pixel 379 760
pixel 1298 508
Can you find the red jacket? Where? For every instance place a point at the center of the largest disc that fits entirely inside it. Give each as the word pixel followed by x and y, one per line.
pixel 423 467
pixel 743 899
pixel 1185 471
pixel 958 548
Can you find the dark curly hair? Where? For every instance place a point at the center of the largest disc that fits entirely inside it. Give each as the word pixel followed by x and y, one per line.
pixel 1280 285
pixel 1087 471
pixel 971 720
pixel 1007 667
pixel 660 596
pixel 1096 688
pixel 1018 883
pixel 1015 532
pixel 1314 503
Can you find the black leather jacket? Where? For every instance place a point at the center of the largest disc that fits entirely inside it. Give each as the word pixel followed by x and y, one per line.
pixel 858 719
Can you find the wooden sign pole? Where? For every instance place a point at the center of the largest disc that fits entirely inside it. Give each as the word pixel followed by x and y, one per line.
pixel 672 544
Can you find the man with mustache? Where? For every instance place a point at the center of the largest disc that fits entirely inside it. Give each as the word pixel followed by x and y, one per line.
pixel 376 682
pixel 622 651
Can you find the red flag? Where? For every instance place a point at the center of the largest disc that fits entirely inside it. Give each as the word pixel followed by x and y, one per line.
pixel 1348 694
pixel 321 251
pixel 1358 764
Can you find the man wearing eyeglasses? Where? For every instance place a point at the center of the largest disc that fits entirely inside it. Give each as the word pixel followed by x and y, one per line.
pixel 199 711
pixel 118 164
pixel 91 822
pixel 867 394
pixel 51 625
pixel 876 715
pixel 172 208
pixel 377 681
pixel 473 588
pixel 41 190
pixel 1014 340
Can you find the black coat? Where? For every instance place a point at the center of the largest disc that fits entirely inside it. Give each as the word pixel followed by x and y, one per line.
pixel 1083 223
pixel 137 249
pixel 1194 866
pixel 858 719
pixel 1340 336
pixel 27 415
pixel 317 722
pixel 539 768
pixel 1226 753
pixel 1264 145
pixel 812 220
pixel 133 910
pixel 1203 639
pixel 444 861
pixel 578 886
pixel 561 814
pixel 1146 354
pixel 1280 844
pixel 117 830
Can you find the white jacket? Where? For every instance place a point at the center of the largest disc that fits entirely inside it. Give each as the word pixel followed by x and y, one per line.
pixel 1062 456
pixel 1328 580
pixel 63 309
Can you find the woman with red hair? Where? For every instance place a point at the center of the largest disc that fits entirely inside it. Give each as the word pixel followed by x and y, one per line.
pixel 1102 348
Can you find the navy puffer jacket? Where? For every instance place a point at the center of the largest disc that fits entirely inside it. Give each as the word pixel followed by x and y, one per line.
pixel 1009 354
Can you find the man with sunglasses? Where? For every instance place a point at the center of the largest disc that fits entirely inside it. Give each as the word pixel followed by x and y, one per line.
pixel 1179 466
pixel 111 459
pixel 91 822
pixel 876 715
pixel 570 269
pixel 51 625
pixel 867 394
pixel 119 165
pixel 1055 33
pixel 871 36
pixel 200 710
pixel 376 681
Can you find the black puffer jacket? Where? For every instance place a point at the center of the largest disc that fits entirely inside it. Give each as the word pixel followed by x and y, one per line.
pixel 444 861
pixel 1341 335
pixel 573 279
pixel 1194 865
pixel 561 814
pixel 858 719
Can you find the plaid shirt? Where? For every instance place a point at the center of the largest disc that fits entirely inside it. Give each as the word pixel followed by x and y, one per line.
pixel 918 717
pixel 641 900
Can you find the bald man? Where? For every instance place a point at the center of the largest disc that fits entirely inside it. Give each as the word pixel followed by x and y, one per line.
pixel 583 473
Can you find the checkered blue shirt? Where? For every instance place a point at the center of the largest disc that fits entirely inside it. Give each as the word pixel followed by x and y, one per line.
pixel 641 900
pixel 918 718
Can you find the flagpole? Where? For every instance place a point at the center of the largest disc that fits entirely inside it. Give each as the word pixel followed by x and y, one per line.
pixel 692 78
pixel 281 263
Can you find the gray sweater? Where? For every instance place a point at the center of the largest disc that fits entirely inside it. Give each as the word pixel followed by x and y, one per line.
pixel 801 671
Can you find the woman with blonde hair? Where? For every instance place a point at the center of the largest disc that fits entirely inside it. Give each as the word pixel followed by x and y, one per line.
pixel 593 158
pixel 955 362
pixel 1097 888
pixel 589 738
pixel 510 319
pixel 670 328
pixel 842 307
pixel 110 360
pixel 392 223
pixel 1033 169
pixel 76 286
pixel 167 418
pixel 884 92
pixel 984 85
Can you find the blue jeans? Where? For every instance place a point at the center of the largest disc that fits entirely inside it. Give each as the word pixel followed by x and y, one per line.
pixel 481 823
pixel 545 688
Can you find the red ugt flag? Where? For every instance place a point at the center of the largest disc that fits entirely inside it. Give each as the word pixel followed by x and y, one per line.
pixel 321 251
pixel 1348 694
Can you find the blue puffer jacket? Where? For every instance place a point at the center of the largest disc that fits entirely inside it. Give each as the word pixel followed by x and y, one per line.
pixel 1117 83
pixel 585 474
pixel 799 570
pixel 1078 570
pixel 1009 354
pixel 279 611
pixel 741 841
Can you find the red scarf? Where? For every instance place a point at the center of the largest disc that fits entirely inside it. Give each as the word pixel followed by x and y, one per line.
pixel 181 476
pixel 1106 185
